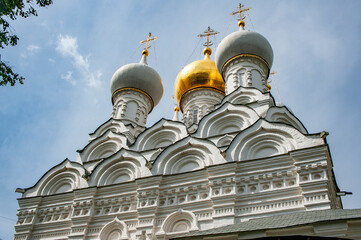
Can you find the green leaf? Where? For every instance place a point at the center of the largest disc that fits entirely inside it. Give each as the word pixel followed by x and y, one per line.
pixel 11 9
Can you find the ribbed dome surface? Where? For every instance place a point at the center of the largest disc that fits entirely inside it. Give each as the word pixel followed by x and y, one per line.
pixel 198 74
pixel 243 42
pixel 139 76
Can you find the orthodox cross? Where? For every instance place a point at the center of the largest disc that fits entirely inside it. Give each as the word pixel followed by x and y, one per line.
pixel 240 10
pixel 147 41
pixel 209 32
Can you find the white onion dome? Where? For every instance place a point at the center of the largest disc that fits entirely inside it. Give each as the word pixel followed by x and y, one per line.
pixel 241 43
pixel 139 77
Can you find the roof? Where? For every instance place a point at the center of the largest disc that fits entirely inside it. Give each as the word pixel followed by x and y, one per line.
pixel 280 221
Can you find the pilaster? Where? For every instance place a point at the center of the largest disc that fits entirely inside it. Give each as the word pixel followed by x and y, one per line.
pixel 245 71
pixel 27 217
pixel 83 211
pixel 147 206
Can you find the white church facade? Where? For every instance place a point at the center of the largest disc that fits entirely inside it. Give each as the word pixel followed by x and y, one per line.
pixel 236 166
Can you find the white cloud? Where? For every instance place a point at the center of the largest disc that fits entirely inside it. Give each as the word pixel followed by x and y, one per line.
pixel 68 47
pixel 68 78
pixel 33 48
pixel 51 60
pixel 30 50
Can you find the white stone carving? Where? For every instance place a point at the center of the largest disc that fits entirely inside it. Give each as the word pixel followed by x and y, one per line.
pixel 245 71
pixel 178 222
pixel 62 178
pixel 245 159
pixel 115 230
pixel 161 134
pixel 283 115
pixel 121 167
pixel 117 126
pixel 198 103
pixel 226 119
pixel 266 139
pixel 132 106
pixel 224 140
pixel 103 146
pixel 252 97
pixel 187 155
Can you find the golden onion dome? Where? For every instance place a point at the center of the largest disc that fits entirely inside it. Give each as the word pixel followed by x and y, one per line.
pixel 201 74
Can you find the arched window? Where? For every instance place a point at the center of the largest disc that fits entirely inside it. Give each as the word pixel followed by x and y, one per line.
pixel 114 235
pixel 195 116
pixel 177 222
pixel 114 230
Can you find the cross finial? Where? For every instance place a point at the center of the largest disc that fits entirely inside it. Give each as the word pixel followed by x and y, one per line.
pixel 209 32
pixel 147 42
pixel 240 10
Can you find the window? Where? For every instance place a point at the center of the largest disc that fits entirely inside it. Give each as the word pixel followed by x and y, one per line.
pixel 195 115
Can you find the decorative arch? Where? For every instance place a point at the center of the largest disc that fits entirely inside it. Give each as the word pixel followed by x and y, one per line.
pixel 114 125
pixel 267 144
pixel 103 146
pixel 62 178
pixel 284 115
pixel 187 155
pixel 246 95
pixel 190 162
pixel 265 139
pixel 161 134
pixel 61 182
pixel 244 99
pixel 104 150
pixel 115 229
pixel 225 140
pixel 179 222
pixel 121 167
pixel 226 119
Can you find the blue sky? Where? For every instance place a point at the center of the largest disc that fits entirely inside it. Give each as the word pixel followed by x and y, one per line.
pixel 69 53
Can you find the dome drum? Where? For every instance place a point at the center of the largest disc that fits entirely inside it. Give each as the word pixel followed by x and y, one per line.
pixel 131 105
pixel 261 60
pixel 199 102
pixel 184 96
pixel 246 71
pixel 114 96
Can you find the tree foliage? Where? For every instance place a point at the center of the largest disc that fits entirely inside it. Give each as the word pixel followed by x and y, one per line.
pixel 9 11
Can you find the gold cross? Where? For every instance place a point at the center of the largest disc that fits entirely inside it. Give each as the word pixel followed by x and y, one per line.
pixel 209 32
pixel 147 41
pixel 240 11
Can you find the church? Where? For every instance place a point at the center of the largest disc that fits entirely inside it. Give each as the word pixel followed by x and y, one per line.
pixel 236 165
